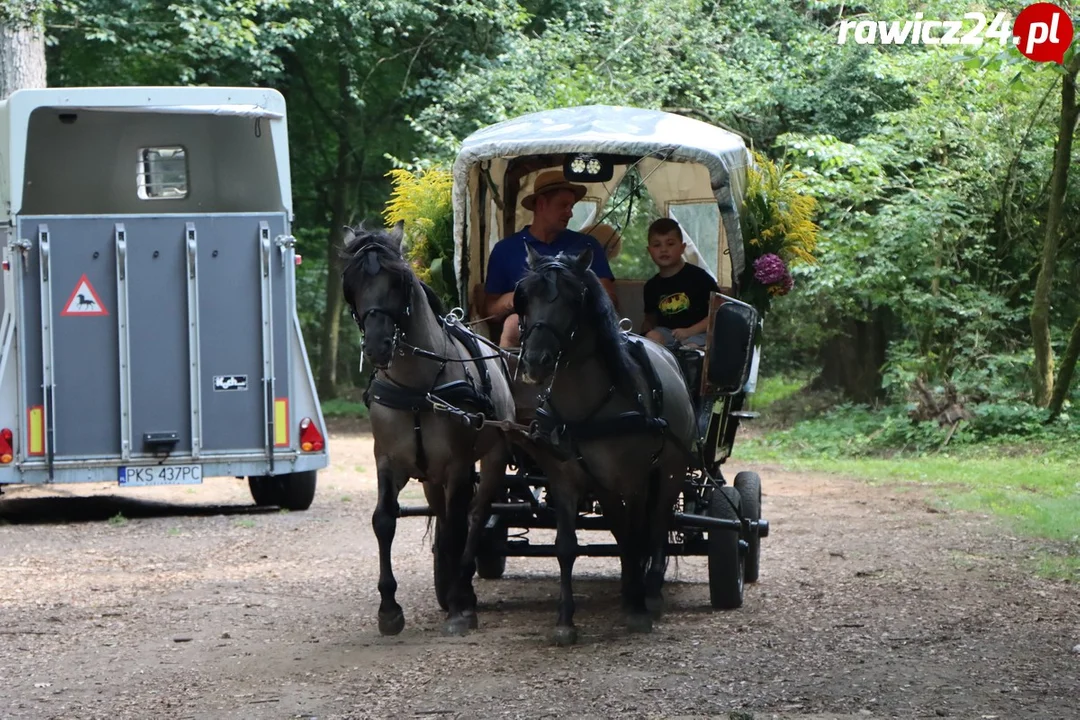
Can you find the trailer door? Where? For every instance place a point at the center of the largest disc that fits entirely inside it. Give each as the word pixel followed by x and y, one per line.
pixel 156 336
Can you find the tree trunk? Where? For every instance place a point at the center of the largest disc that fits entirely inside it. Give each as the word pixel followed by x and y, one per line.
pixel 1068 365
pixel 1043 370
pixel 22 56
pixel 852 359
pixel 331 326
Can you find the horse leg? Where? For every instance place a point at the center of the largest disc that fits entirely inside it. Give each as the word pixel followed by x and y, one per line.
pixel 615 514
pixel 634 557
pixel 492 478
pixel 384 522
pixel 659 523
pixel 461 598
pixel 566 547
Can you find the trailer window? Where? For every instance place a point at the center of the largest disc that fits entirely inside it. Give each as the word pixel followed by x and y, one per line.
pixel 162 173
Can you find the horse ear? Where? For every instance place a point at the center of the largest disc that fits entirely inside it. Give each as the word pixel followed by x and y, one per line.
pixel 583 261
pixel 534 257
pixel 397 233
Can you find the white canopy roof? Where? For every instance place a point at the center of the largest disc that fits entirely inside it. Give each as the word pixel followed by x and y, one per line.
pixel 652 134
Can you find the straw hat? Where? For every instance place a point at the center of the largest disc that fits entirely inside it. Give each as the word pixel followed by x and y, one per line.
pixel 609 239
pixel 550 181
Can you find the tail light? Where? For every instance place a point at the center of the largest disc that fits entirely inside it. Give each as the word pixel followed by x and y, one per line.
pixel 6 451
pixel 311 440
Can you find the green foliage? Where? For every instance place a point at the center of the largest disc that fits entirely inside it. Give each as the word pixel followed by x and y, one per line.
pixel 340 407
pixel 422 201
pixel 777 219
pixel 848 431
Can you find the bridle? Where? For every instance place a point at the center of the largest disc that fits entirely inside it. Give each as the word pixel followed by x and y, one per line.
pixel 564 337
pixel 372 266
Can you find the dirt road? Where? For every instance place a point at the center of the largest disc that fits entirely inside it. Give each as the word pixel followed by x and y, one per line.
pixel 191 603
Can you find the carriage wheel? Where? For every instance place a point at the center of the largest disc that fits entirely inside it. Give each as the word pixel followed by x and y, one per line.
pixel 749 486
pixel 726 569
pixel 491 557
pixel 292 491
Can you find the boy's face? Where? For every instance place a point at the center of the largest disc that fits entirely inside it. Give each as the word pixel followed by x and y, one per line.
pixel 666 249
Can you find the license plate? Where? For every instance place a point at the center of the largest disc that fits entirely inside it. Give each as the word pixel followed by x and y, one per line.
pixel 160 475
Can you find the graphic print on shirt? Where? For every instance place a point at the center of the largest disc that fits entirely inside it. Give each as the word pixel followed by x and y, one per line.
pixel 674 303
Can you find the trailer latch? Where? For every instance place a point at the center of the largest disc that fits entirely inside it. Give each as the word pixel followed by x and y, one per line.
pixel 285 243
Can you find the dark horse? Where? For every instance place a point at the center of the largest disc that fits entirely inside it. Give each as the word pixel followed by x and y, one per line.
pixel 429 372
pixel 618 416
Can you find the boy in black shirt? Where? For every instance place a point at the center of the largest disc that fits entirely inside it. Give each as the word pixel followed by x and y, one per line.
pixel 677 297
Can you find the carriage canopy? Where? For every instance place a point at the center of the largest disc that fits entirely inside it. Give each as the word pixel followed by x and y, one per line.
pixel 694 172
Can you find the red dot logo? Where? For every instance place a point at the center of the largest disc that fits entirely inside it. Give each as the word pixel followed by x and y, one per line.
pixel 1043 32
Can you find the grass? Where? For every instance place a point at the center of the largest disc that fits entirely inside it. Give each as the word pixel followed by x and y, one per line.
pixel 118 520
pixel 342 407
pixel 245 523
pixel 771 390
pixel 1032 484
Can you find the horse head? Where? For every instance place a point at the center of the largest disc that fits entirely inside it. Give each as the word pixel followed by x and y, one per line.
pixel 550 302
pixel 377 284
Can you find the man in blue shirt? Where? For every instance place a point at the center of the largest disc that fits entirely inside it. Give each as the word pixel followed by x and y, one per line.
pixel 552 203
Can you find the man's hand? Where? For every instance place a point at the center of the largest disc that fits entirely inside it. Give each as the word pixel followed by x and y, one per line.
pixel 499 306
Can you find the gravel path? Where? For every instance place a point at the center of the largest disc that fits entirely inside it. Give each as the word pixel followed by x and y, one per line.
pixel 191 603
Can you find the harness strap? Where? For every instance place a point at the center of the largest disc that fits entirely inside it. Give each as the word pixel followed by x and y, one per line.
pixel 640 355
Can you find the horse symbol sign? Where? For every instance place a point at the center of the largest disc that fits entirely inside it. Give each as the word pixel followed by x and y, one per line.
pixel 83 300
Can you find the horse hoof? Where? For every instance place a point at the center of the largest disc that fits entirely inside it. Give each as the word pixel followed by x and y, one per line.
pixel 457 626
pixel 655 606
pixel 474 622
pixel 391 623
pixel 564 636
pixel 639 623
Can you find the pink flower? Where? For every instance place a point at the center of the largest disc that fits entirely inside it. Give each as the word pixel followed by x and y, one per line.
pixel 770 269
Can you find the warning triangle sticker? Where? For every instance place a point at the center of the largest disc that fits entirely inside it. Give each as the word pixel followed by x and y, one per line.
pixel 83 300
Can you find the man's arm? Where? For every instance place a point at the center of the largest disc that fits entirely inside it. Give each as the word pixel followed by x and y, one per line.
pixel 498 305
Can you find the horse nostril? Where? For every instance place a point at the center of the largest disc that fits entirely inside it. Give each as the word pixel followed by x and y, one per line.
pixel 545 358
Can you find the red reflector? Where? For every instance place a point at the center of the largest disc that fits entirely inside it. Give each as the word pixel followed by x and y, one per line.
pixel 311 440
pixel 299 259
pixel 6 451
pixel 7 265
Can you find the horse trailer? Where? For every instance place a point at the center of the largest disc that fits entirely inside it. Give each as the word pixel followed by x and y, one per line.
pixel 149 333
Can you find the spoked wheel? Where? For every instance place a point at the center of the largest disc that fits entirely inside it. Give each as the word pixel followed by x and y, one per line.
pixel 749 486
pixel 726 568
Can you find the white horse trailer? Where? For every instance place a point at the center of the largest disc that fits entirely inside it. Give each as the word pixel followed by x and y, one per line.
pixel 149 332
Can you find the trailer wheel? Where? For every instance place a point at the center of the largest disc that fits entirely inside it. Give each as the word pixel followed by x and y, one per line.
pixel 491 557
pixel 293 491
pixel 749 486
pixel 725 559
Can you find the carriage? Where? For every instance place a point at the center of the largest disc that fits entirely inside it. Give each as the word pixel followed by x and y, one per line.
pixel 694 173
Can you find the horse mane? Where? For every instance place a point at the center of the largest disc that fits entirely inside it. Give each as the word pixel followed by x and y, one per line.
pixel 610 339
pixel 389 258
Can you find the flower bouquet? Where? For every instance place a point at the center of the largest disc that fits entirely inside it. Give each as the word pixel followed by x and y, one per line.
pixel 778 226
